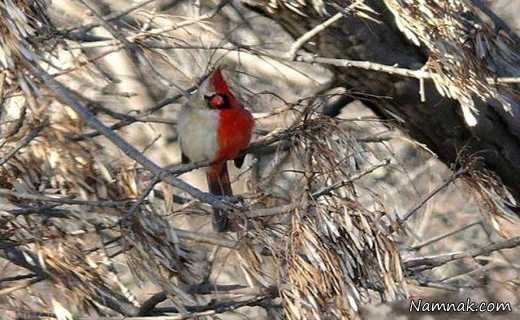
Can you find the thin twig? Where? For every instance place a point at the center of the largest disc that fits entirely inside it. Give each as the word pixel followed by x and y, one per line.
pixel 205 289
pixel 365 65
pixel 106 24
pixel 128 119
pixel 327 190
pixel 18 277
pixel 430 262
pixel 265 212
pixel 211 310
pixel 482 269
pixel 301 41
pixel 62 200
pixel 430 195
pixel 22 143
pixel 153 32
pixel 444 235
pixel 210 238
pixel 107 18
pixel 503 80
pixel 420 74
pixel 142 198
pixel 18 286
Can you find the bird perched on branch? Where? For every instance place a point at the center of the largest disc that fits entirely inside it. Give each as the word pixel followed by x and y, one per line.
pixel 215 126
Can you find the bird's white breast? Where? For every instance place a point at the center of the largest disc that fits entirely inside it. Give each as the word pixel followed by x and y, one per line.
pixel 198 130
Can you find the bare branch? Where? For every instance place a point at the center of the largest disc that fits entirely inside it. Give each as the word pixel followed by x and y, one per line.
pixel 300 42
pixel 357 176
pixel 430 262
pixel 430 195
pixel 420 74
pixel 445 235
pixel 214 239
pixel 47 198
pixel 108 18
pixel 22 143
pixel 366 65
pixel 153 32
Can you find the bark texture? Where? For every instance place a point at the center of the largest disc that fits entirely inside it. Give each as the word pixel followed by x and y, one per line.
pixel 439 121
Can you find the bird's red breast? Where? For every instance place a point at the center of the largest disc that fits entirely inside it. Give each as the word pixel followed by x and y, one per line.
pixel 235 123
pixel 234 132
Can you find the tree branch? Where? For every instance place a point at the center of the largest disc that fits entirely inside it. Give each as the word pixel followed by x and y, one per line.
pixel 430 262
pixel 24 142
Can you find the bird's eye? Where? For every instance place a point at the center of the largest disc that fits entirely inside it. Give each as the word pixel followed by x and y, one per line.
pixel 217 101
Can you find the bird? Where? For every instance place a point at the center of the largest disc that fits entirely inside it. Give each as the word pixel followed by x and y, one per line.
pixel 214 126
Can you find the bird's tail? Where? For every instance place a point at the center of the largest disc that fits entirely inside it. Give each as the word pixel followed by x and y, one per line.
pixel 220 185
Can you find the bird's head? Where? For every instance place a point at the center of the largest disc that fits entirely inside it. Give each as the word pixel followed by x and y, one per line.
pixel 214 93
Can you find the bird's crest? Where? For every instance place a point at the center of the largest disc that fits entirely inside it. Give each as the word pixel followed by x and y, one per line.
pixel 218 82
pixel 220 85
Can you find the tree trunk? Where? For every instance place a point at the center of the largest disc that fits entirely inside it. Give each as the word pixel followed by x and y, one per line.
pixel 438 122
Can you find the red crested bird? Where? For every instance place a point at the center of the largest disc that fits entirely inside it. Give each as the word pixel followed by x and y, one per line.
pixel 215 126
